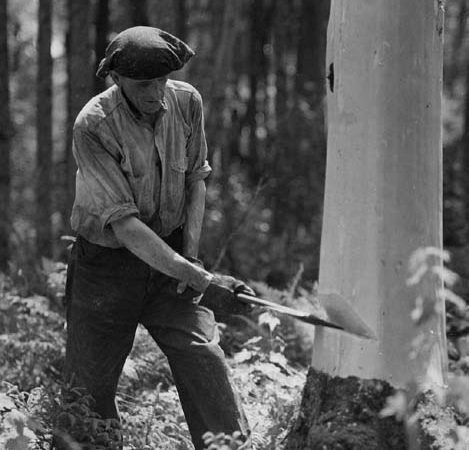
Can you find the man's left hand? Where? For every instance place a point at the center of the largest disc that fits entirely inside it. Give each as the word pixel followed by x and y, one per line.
pixel 182 285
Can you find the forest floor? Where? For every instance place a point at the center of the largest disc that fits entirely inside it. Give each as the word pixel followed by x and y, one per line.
pixel 268 357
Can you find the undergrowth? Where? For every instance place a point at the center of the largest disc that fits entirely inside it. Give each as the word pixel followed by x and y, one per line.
pixel 264 355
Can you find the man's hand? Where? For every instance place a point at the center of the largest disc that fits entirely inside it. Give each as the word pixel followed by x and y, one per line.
pixel 220 296
pixel 143 242
pixel 182 285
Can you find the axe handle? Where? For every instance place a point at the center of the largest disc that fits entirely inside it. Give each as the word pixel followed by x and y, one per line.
pixel 300 315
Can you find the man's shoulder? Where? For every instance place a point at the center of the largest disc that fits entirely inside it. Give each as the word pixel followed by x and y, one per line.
pixel 185 98
pixel 97 109
pixel 183 90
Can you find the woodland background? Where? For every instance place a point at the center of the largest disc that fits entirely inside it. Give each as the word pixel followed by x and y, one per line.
pixel 260 67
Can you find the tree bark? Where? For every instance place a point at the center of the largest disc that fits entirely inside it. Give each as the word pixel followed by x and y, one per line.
pixel 464 148
pixel 254 57
pixel 79 85
pixel 101 25
pixel 282 132
pixel 310 78
pixel 261 12
pixel 181 19
pixel 5 139
pixel 383 196
pixel 44 132
pixel 139 9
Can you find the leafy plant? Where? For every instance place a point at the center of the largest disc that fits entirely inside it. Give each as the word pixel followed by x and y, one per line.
pixel 433 283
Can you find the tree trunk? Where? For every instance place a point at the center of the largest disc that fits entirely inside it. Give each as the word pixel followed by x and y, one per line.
pixel 310 78
pixel 383 200
pixel 221 134
pixel 453 66
pixel 181 19
pixel 44 132
pixel 80 83
pixel 310 82
pixel 101 25
pixel 251 111
pixel 282 132
pixel 464 148
pixel 261 12
pixel 5 139
pixel 300 140
pixel 139 9
pixel 384 180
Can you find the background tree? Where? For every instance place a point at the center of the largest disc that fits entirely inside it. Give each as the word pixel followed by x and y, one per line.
pixel 101 25
pixel 263 90
pixel 44 132
pixel 79 84
pixel 139 12
pixel 181 18
pixel 5 138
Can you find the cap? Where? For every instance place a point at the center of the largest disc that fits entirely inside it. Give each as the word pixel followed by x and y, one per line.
pixel 142 53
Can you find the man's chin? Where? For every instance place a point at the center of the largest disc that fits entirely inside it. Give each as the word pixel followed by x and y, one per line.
pixel 150 107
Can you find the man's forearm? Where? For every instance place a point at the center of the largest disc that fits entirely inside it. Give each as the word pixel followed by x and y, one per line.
pixel 149 247
pixel 195 208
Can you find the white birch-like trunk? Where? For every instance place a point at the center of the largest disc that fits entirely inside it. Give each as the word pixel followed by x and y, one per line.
pixel 383 195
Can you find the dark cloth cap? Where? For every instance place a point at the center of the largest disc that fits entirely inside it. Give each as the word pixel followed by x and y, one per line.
pixel 143 53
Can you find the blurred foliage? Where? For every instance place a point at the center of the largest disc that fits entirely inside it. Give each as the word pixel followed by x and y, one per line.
pixel 264 128
pixel 264 121
pixel 425 404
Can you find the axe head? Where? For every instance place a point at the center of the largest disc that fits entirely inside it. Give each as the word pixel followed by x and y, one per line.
pixel 342 313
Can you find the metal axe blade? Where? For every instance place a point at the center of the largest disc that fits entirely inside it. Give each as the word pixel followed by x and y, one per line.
pixel 342 318
pixel 340 311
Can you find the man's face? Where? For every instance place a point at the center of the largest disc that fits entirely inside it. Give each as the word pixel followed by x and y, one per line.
pixel 146 95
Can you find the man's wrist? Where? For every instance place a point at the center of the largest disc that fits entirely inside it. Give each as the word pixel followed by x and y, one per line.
pixel 198 278
pixel 195 260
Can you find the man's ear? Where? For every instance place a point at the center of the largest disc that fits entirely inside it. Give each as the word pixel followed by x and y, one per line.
pixel 115 77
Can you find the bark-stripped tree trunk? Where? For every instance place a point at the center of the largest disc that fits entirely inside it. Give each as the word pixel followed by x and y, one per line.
pixel 5 139
pixel 101 25
pixel 79 85
pixel 44 132
pixel 383 200
pixel 384 179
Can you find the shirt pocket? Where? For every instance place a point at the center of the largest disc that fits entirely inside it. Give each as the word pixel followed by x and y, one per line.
pixel 179 166
pixel 177 182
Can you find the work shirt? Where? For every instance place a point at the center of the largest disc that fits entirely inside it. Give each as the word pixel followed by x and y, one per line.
pixel 126 167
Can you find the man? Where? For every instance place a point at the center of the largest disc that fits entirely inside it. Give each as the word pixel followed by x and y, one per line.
pixel 140 196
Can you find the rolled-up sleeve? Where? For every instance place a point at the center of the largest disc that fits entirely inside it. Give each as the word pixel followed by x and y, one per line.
pixel 198 167
pixel 102 191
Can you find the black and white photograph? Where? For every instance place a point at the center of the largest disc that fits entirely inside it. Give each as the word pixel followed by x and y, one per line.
pixel 234 224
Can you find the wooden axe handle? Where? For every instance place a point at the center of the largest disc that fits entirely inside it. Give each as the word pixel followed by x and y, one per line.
pixel 300 315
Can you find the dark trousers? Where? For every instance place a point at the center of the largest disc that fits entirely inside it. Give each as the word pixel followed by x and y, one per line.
pixel 111 291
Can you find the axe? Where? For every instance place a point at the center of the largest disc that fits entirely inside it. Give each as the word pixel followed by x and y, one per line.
pixel 339 313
